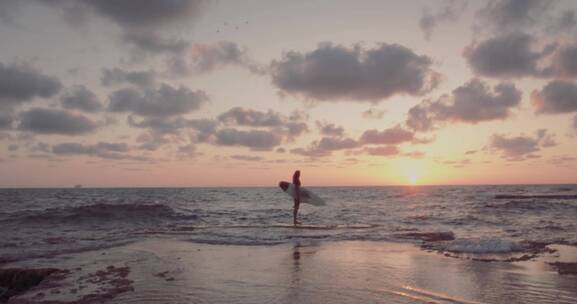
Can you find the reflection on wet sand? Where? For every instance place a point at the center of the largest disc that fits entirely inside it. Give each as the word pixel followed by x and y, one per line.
pixel 163 271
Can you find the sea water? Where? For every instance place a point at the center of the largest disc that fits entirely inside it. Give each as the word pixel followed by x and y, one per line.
pixel 47 222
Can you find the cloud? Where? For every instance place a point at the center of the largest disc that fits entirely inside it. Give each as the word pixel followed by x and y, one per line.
pixel 253 139
pixel 206 58
pixel 246 157
pixel 291 126
pixel 382 150
pixel 160 125
pixel 309 152
pixel 414 154
pixel 391 136
pixel 294 129
pixel 564 161
pixel 373 114
pixel 332 144
pixel 130 15
pixel 40 147
pixel 22 83
pixel 76 148
pixel 152 43
pixel 8 9
pixel 151 141
pixel 206 130
pixel 187 151
pixel 80 98
pixel 565 22
pixel 330 129
pixel 545 139
pixel 165 101
pixel 471 103
pixel 116 76
pixel 104 150
pixel 447 13
pixel 247 117
pixel 521 147
pixel 325 146
pixel 505 56
pixel 5 121
pixel 557 97
pixel 49 121
pixel 422 140
pixel 143 23
pixel 420 118
pixel 334 72
pixel 514 147
pixel 141 15
pixel 456 163
pixel 512 15
pixel 564 63
pixel 203 128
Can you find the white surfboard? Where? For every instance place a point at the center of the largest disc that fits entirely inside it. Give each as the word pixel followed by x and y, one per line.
pixel 307 196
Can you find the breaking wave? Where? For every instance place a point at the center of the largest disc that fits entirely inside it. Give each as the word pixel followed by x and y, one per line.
pixel 98 212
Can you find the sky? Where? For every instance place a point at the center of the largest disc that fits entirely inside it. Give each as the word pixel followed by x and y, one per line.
pixel 185 93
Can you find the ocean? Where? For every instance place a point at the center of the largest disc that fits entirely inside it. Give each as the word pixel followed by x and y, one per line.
pixel 471 219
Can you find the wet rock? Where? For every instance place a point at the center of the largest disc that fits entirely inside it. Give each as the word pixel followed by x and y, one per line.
pixel 14 281
pixel 565 268
pixel 165 276
pixel 429 236
pixel 538 247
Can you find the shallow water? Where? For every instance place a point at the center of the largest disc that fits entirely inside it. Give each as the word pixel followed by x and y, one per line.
pixel 45 222
pixel 167 271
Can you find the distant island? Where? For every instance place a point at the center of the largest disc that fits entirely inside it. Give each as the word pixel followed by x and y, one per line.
pixel 78 186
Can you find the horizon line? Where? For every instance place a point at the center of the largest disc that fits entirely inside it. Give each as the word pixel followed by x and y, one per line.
pixel 271 186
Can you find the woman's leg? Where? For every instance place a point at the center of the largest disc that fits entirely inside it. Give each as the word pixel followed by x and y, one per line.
pixel 295 211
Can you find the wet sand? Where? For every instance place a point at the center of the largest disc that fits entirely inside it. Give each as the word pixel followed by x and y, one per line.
pixel 168 271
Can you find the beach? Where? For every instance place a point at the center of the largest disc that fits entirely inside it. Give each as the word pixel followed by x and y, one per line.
pixel 169 271
pixel 450 244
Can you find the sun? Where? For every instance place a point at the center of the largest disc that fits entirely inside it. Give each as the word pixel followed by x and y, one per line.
pixel 413 179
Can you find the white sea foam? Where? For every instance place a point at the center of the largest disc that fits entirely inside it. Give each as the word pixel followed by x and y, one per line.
pixel 483 246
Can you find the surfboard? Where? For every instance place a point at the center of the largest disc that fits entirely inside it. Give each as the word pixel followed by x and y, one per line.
pixel 307 196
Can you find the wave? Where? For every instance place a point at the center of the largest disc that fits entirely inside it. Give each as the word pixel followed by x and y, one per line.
pixel 532 204
pixel 277 226
pixel 483 246
pixel 100 211
pixel 490 246
pixel 534 196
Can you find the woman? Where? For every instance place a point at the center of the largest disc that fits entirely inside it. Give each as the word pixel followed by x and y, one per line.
pixel 297 185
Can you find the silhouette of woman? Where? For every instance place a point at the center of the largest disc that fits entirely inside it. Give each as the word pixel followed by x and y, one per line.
pixel 297 200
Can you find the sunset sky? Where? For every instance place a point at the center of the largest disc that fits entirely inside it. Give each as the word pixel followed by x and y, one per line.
pixel 241 93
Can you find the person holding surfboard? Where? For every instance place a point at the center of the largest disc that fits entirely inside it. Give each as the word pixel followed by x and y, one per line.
pixel 300 195
pixel 297 198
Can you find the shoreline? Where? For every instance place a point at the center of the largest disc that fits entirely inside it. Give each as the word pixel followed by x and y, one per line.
pixel 172 271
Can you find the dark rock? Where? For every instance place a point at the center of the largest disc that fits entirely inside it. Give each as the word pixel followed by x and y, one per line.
pixel 429 236
pixel 565 268
pixel 16 280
